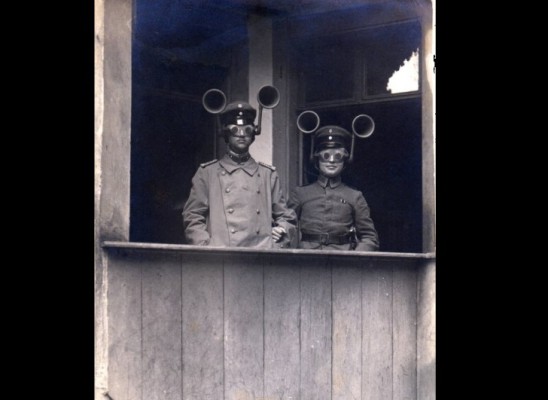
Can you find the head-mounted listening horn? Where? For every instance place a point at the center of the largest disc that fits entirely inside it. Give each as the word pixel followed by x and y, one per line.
pixel 308 122
pixel 362 127
pixel 268 97
pixel 214 101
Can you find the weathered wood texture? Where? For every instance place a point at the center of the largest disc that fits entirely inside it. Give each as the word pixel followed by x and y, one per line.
pixel 124 327
pixel 113 124
pixel 244 328
pixel 202 328
pixel 268 326
pixel 426 332
pixel 281 330
pixel 161 328
pixel 347 331
pixel 316 328
pixel 404 332
pixel 377 332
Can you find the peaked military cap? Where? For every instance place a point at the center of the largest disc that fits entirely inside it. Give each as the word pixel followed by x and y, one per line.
pixel 331 136
pixel 238 113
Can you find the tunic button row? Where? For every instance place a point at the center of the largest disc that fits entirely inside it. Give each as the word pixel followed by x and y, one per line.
pixel 230 210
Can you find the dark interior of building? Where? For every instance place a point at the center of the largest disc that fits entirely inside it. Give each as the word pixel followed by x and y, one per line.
pixel 340 61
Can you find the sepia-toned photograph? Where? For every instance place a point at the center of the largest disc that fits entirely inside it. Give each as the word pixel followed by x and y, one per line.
pixel 265 199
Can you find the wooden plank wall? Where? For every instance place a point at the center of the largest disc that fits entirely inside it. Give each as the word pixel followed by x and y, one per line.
pixel 261 327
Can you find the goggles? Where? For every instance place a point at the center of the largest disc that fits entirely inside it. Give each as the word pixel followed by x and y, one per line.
pixel 332 155
pixel 240 130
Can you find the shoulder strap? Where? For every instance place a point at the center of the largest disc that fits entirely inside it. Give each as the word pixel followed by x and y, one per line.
pixel 203 165
pixel 273 168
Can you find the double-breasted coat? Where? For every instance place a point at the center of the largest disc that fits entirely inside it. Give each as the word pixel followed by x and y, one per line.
pixel 237 204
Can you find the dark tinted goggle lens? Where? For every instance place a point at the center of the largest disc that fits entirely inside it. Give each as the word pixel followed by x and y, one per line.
pixel 337 156
pixel 246 130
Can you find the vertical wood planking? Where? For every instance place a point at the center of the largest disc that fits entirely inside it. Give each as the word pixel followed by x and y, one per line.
pixel 243 327
pixel 316 325
pixel 162 364
pixel 253 326
pixel 202 321
pixel 377 332
pixel 124 327
pixel 347 331
pixel 426 331
pixel 405 331
pixel 282 314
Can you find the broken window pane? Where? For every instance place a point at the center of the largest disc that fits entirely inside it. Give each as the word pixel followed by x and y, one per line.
pixel 390 49
pixel 406 78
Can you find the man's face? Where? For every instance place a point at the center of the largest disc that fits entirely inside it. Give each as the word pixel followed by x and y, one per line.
pixel 240 138
pixel 331 161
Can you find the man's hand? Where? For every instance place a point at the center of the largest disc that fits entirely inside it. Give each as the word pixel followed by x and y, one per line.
pixel 277 233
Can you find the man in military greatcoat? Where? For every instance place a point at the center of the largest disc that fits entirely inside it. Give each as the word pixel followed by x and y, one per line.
pixel 237 201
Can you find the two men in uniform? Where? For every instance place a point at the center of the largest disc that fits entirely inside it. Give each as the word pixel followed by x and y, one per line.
pixel 236 201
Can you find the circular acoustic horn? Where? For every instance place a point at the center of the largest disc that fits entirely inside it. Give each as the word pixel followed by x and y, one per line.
pixel 214 101
pixel 268 96
pixel 308 121
pixel 363 126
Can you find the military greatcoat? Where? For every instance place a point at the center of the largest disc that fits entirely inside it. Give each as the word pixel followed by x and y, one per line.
pixel 236 204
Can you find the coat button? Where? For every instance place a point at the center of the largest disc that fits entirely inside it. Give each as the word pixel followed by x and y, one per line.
pixel 230 210
pixel 258 211
pixel 232 230
pixel 258 190
pixel 258 230
pixel 223 172
pixel 227 190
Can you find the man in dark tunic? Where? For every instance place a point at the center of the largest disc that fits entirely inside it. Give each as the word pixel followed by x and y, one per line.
pixel 237 201
pixel 331 214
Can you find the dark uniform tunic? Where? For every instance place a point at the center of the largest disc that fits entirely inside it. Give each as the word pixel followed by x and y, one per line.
pixel 236 204
pixel 329 206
